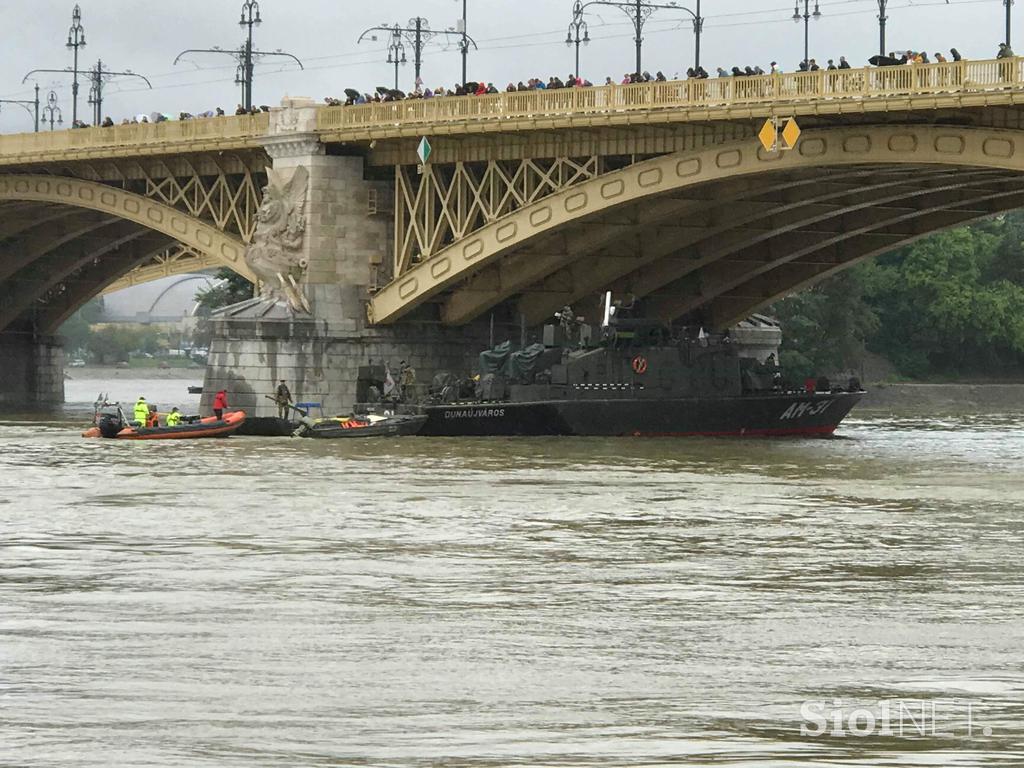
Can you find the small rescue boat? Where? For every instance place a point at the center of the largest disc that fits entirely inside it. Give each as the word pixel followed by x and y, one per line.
pixel 114 426
pixel 364 426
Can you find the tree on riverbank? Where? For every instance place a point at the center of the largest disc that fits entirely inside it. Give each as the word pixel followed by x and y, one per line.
pixel 951 304
pixel 229 289
pixel 77 331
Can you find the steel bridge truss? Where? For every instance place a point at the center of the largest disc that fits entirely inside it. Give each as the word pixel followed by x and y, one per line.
pixel 224 191
pixel 118 223
pixel 438 205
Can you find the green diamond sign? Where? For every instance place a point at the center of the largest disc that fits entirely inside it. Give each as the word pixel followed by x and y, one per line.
pixel 424 150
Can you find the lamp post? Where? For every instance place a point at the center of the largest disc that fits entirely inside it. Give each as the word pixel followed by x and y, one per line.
pixel 418 33
pixel 639 11
pixel 53 110
pixel 698 28
pixel 250 18
pixel 464 43
pixel 76 40
pixel 882 18
pixel 396 53
pixel 578 32
pixel 806 16
pixel 1009 13
pixel 99 76
pixel 246 54
pixel 32 107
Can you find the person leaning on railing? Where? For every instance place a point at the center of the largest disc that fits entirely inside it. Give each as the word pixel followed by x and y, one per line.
pixel 1005 67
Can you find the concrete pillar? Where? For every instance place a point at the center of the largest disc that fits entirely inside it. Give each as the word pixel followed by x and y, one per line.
pixel 344 241
pixel 31 371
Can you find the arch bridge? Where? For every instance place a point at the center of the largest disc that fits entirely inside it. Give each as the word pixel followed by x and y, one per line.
pixel 529 200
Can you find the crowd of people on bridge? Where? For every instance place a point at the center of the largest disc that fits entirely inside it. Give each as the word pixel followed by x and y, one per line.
pixel 158 117
pixel 383 94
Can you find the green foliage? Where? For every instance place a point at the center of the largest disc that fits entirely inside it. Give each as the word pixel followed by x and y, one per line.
pixel 75 330
pixel 825 327
pixel 107 344
pixel 114 343
pixel 951 304
pixel 231 289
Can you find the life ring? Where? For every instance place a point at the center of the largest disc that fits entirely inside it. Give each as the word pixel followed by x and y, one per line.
pixel 640 365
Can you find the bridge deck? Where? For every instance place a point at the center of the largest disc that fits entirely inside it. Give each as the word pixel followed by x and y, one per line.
pixel 136 140
pixel 926 86
pixel 852 91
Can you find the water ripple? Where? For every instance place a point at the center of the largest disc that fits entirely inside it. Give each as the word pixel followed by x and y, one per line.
pixel 501 602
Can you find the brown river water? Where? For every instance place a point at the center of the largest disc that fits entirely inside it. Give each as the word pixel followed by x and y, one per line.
pixel 855 601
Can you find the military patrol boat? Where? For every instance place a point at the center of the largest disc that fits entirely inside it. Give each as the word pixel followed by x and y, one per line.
pixel 638 378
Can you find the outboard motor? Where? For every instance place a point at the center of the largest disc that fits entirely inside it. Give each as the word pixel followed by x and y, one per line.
pixel 110 424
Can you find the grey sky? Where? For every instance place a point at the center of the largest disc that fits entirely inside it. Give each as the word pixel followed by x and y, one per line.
pixel 518 39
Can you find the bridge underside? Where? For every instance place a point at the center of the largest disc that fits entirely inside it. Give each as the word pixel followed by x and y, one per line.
pixel 65 239
pixel 54 258
pixel 723 250
pixel 717 250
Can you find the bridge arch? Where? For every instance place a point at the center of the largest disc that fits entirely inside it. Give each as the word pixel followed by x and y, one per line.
pixel 940 152
pixel 199 236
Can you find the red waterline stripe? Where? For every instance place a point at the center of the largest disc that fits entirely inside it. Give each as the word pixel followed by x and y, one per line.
pixel 788 432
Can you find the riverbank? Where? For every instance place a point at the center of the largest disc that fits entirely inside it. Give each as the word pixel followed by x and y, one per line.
pixel 110 372
pixel 996 398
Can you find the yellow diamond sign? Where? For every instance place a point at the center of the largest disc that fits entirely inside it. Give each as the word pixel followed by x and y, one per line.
pixel 768 135
pixel 790 134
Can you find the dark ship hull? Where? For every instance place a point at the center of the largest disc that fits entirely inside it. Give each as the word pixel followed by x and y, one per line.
pixel 754 415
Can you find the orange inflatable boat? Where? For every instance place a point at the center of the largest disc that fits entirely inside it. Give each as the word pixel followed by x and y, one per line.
pixel 115 426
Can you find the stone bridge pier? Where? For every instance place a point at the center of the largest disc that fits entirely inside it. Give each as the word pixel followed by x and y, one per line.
pixel 347 241
pixel 32 374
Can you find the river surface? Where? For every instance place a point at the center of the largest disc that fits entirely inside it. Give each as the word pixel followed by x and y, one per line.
pixel 559 602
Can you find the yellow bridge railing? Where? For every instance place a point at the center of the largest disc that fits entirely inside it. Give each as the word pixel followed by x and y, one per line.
pixel 779 93
pixel 137 135
pixel 781 89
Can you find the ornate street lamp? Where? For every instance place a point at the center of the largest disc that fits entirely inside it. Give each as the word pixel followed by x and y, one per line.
pixel 578 32
pixel 250 18
pixel 52 110
pixel 99 77
pixel 639 11
pixel 245 55
pixel 76 40
pixel 807 16
pixel 396 53
pixel 418 33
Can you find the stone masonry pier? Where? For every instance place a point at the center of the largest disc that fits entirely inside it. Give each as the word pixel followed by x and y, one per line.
pixel 32 373
pixel 345 243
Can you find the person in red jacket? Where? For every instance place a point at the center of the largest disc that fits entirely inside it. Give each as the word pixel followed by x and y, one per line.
pixel 220 403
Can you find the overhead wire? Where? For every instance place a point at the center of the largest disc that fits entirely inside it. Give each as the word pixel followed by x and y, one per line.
pixel 657 26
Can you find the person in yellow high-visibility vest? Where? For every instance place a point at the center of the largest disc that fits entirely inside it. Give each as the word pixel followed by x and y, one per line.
pixel 174 418
pixel 141 411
